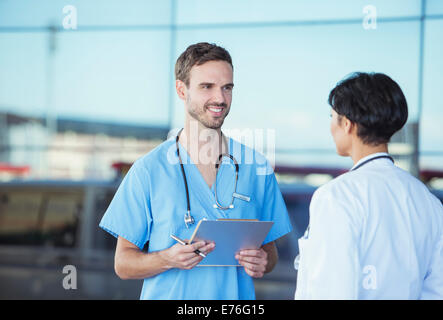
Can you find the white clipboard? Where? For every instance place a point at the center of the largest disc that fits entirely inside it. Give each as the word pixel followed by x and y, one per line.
pixel 230 236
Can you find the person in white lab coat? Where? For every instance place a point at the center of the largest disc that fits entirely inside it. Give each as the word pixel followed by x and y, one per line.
pixel 375 232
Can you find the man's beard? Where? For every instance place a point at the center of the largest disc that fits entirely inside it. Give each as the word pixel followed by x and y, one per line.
pixel 199 115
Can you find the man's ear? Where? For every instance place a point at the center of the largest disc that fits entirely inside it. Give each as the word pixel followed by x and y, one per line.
pixel 348 125
pixel 180 87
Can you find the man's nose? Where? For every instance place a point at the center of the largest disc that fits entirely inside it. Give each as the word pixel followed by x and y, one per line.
pixel 218 96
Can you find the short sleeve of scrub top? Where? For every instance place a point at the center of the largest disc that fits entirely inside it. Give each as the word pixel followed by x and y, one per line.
pixel 129 214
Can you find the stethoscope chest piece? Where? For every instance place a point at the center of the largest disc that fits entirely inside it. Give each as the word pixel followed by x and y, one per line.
pixel 189 219
pixel 215 206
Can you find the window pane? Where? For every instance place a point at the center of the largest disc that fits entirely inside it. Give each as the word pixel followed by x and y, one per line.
pixel 431 138
pixel 434 7
pixel 19 217
pixel 29 13
pixel 283 75
pixel 37 217
pixel 201 11
pixel 121 76
pixel 61 218
pixel 102 239
pixel 23 72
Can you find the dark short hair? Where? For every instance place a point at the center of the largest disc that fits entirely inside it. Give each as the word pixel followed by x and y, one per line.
pixel 374 102
pixel 197 54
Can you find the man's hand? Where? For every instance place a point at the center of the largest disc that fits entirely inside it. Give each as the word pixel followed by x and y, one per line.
pixel 254 261
pixel 132 263
pixel 183 256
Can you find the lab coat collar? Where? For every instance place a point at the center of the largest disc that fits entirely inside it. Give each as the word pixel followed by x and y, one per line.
pixel 369 157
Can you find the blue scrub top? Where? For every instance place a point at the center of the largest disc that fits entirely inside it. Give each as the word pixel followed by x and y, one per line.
pixel 150 205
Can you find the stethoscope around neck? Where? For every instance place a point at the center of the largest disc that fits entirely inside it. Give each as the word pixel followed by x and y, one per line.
pixel 372 159
pixel 306 235
pixel 189 219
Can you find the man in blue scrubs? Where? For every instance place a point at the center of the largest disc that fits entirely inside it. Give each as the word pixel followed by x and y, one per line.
pixel 151 202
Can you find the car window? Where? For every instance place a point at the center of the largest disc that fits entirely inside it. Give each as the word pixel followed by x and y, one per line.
pixel 102 239
pixel 19 217
pixel 40 217
pixel 61 218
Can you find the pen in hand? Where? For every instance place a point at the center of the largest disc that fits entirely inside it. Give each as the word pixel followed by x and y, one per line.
pixel 184 243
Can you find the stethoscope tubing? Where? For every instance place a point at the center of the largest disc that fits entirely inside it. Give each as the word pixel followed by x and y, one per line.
pixel 372 159
pixel 188 217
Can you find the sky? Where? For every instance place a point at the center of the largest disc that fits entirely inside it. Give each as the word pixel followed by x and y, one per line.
pixel 287 57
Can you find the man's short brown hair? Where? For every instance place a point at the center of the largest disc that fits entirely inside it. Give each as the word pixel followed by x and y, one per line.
pixel 198 54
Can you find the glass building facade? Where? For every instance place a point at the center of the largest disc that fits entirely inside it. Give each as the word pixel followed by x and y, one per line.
pixel 117 64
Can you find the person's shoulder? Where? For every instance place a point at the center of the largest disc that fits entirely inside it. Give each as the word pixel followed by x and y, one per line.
pixel 337 186
pixel 421 194
pixel 353 180
pixel 156 156
pixel 416 185
pixel 338 199
pixel 407 177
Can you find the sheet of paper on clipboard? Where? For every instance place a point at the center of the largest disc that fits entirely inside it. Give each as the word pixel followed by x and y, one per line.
pixel 230 236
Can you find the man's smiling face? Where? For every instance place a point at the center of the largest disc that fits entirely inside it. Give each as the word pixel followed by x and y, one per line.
pixel 209 94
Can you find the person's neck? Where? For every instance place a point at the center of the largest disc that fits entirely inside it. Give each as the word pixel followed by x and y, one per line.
pixel 203 144
pixel 363 150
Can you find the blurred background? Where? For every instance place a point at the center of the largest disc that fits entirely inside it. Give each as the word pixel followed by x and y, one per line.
pixel 87 87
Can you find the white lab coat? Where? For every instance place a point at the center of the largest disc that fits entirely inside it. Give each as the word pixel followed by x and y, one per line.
pixel 374 233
